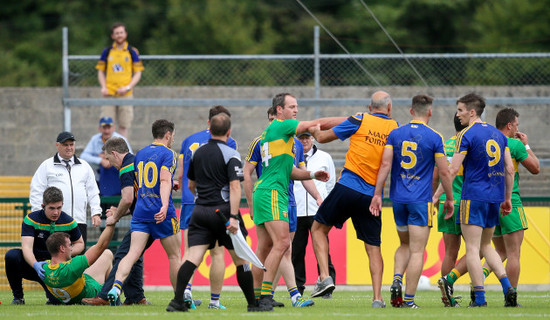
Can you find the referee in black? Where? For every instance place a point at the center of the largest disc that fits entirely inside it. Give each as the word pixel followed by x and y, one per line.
pixel 215 175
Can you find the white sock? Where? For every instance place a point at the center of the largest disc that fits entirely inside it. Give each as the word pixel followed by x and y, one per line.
pixel 117 290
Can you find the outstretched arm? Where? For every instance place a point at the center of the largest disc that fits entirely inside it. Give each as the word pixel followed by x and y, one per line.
pixel 299 174
pixel 97 249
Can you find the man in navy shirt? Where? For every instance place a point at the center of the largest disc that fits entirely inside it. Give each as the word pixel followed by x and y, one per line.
pixel 117 153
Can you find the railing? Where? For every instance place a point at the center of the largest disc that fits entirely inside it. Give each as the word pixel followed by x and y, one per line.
pixel 314 70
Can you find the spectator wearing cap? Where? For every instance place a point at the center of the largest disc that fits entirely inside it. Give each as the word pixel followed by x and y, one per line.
pixel 74 177
pixel 315 160
pixel 105 174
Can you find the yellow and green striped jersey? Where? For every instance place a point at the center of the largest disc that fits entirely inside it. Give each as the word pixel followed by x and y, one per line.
pixel 277 148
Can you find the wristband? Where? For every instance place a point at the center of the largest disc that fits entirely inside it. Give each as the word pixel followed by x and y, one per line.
pixel 527 147
pixel 312 175
pixel 234 216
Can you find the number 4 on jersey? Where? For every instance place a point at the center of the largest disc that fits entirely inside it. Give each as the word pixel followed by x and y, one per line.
pixel 265 154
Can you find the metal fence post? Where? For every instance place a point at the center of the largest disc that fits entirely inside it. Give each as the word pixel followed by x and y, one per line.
pixel 65 63
pixel 316 68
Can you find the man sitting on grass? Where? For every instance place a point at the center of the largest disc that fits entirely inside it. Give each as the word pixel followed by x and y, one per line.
pixel 70 280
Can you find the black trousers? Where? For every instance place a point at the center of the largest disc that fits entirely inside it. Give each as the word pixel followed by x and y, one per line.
pixel 133 286
pixel 18 269
pixel 84 231
pixel 299 245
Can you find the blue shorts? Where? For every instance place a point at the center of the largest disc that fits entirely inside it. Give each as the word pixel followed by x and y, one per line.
pixel 417 214
pixel 292 218
pixel 185 215
pixel 479 213
pixel 343 203
pixel 166 228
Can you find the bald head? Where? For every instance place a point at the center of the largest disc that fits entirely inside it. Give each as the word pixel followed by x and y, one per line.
pixel 380 102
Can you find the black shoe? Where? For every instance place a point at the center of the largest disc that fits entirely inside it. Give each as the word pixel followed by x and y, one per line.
pixel 277 304
pixel 175 306
pixel 473 304
pixel 256 308
pixel 265 303
pixel 18 301
pixel 446 292
pixel 412 305
pixel 511 298
pixel 396 298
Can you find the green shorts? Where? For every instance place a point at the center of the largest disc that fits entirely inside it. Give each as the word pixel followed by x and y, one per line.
pixel 269 205
pixel 448 225
pixel 91 289
pixel 512 222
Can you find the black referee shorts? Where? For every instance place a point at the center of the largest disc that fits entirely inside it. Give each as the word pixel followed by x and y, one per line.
pixel 207 227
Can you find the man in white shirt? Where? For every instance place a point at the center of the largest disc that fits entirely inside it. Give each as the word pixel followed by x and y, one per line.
pixel 76 180
pixel 307 206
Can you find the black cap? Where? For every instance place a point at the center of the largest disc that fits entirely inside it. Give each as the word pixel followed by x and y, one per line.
pixel 64 136
pixel 303 134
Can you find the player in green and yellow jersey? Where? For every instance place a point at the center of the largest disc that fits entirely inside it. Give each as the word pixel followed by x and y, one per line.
pixel 71 280
pixel 270 195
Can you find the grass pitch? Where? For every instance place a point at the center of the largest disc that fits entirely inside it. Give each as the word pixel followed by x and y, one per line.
pixel 344 305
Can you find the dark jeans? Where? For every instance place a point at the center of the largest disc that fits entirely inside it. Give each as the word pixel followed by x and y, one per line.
pixel 299 245
pixel 18 269
pixel 133 286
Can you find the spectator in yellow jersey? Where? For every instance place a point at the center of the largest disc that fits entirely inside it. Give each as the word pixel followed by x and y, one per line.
pixel 118 72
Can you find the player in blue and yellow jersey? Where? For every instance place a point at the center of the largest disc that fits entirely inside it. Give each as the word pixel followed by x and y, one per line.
pixel 483 152
pixel 71 280
pixel 509 234
pixel 217 254
pixel 118 72
pixel 411 152
pixel 352 194
pixel 270 195
pixel 154 214
pixel 253 162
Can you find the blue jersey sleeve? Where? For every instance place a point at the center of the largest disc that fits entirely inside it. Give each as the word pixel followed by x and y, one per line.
pixel 464 143
pixel 103 56
pixel 135 55
pixel 74 234
pixel 27 230
pixel 299 154
pixel 391 139
pixel 169 161
pixel 232 143
pixel 348 127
